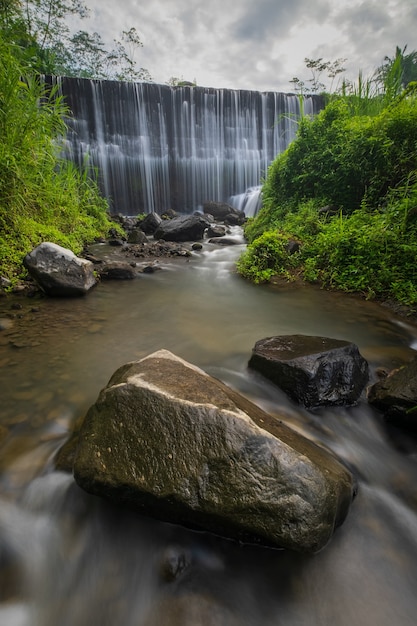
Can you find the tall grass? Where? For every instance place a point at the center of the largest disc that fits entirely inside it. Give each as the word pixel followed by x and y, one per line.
pixel 41 196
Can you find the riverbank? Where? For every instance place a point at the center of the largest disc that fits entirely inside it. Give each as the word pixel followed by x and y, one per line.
pixel 65 547
pixel 151 256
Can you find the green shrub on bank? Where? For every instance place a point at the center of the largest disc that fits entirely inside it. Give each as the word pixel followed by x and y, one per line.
pixel 347 189
pixel 368 252
pixel 269 255
pixel 42 197
pixel 343 160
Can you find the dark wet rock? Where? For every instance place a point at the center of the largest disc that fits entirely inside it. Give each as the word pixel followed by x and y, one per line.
pixel 207 216
pixel 216 230
pixel 224 241
pixel 183 228
pixel 159 249
pixel 176 444
pixel 314 371
pixel 223 212
pixel 197 246
pixel 150 223
pixel 116 242
pixel 92 258
pixel 293 246
pixel 127 222
pixel 137 236
pixel 174 561
pixel 169 214
pixel 117 270
pixel 237 218
pixel 396 396
pixel 58 271
pixel 150 269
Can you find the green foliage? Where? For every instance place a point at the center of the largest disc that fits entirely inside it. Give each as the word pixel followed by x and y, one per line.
pixel 41 196
pixel 40 30
pixel 368 252
pixel 317 67
pixel 346 188
pixel 344 160
pixel 399 70
pixel 267 256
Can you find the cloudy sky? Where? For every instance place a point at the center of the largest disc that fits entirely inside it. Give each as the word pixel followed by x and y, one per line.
pixel 256 44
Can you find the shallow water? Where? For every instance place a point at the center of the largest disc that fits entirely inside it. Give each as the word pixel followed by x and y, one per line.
pixel 69 559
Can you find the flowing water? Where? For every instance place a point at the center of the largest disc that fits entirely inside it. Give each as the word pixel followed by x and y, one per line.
pixel 158 147
pixel 70 559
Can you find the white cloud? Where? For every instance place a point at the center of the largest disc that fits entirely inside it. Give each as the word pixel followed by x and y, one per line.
pixel 260 46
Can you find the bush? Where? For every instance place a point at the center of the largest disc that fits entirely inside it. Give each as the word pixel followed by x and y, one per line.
pixel 42 197
pixel 365 168
pixel 266 256
pixel 343 160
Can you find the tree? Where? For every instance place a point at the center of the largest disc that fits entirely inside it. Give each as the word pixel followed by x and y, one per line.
pixel 174 81
pixel 120 60
pixel 44 41
pixel 317 67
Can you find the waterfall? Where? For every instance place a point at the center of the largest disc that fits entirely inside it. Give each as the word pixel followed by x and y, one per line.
pixel 156 147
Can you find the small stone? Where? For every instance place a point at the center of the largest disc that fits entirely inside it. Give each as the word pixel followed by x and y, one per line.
pixel 5 323
pixel 174 562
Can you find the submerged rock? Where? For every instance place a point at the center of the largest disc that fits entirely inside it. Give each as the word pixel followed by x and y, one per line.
pixel 396 396
pixel 117 270
pixel 176 444
pixel 58 271
pixel 314 371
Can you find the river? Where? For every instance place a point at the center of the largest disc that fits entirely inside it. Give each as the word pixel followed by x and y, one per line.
pixel 70 559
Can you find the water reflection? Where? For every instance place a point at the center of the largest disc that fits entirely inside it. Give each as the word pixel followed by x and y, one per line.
pixel 68 558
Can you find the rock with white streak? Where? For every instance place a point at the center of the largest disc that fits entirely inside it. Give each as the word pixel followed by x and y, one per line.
pixel 174 443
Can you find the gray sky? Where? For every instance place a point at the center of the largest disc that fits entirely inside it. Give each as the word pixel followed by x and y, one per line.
pixel 256 44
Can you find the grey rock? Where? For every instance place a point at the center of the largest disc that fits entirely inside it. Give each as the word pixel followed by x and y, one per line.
pixel 216 230
pixel 179 445
pixel 224 241
pixel 58 271
pixel 137 236
pixel 396 396
pixel 314 371
pixel 117 270
pixel 222 211
pixel 150 223
pixel 183 228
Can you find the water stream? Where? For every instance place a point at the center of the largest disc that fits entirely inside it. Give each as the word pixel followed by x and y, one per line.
pixel 158 147
pixel 69 559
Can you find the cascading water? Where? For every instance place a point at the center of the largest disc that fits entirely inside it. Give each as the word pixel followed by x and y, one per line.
pixel 157 147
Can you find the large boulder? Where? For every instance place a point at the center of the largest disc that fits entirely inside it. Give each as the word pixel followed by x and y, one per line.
pixel 313 371
pixel 223 212
pixel 171 441
pixel 150 223
pixel 58 271
pixel 396 396
pixel 182 228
